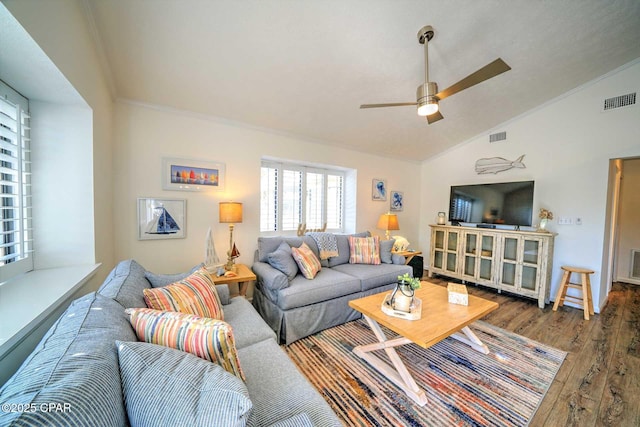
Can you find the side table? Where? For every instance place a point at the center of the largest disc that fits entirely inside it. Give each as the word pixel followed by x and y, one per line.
pixel 408 255
pixel 244 276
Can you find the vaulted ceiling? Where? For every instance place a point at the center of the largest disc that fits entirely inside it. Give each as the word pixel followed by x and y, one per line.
pixel 304 67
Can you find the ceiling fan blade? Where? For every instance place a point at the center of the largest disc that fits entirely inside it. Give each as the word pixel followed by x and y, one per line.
pixel 396 104
pixel 435 117
pixel 485 73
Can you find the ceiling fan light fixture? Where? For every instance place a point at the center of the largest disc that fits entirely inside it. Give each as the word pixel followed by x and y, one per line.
pixel 427 99
pixel 428 108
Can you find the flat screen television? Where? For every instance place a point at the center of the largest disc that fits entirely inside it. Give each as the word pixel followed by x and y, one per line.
pixel 502 203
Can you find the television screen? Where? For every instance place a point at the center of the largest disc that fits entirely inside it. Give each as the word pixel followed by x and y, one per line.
pixel 505 203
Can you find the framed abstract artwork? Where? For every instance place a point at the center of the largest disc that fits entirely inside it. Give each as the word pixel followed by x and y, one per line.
pixel 379 190
pixel 396 201
pixel 192 175
pixel 162 219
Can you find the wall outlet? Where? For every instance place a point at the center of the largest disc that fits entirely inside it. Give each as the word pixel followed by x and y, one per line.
pixel 565 220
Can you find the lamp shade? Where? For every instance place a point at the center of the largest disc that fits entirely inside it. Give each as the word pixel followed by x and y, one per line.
pixel 388 222
pixel 231 212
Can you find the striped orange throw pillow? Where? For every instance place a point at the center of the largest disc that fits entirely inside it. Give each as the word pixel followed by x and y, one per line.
pixel 195 294
pixel 209 339
pixel 307 261
pixel 364 250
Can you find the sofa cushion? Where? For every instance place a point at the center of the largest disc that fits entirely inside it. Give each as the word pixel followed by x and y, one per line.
pixel 364 250
pixel 195 294
pixel 209 339
pixel 266 245
pixel 307 261
pixel 163 386
pixel 278 390
pixel 372 276
pixel 343 248
pixel 386 246
pixel 75 364
pixel 327 285
pixel 248 326
pixel 162 280
pixel 282 259
pixel 125 284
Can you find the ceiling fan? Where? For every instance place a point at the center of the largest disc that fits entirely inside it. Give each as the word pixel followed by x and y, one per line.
pixel 428 95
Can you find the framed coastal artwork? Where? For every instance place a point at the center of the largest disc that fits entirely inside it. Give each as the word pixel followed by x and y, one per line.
pixel 162 219
pixel 192 175
pixel 379 190
pixel 397 201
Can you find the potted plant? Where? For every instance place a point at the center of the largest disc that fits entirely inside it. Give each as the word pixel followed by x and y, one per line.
pixel 402 296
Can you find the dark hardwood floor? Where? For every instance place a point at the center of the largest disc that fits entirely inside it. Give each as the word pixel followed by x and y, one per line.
pixel 599 381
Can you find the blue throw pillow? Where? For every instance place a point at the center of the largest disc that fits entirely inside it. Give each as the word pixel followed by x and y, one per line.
pixel 281 259
pixel 163 386
pixel 385 251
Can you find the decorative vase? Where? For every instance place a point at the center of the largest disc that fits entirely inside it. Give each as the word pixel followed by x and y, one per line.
pixel 402 297
pixel 543 224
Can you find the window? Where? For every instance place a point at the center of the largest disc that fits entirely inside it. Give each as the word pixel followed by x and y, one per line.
pixel 293 194
pixel 16 244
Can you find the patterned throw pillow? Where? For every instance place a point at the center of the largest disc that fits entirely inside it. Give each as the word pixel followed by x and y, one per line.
pixel 209 339
pixel 307 261
pixel 364 250
pixel 195 294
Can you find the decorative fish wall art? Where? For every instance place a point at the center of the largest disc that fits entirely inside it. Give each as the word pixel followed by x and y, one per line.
pixel 497 164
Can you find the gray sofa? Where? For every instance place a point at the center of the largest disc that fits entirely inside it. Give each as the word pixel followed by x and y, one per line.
pixel 75 376
pixel 296 307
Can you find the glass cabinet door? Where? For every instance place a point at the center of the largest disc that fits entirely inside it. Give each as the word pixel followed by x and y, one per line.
pixel 530 261
pixel 510 249
pixel 439 239
pixel 470 250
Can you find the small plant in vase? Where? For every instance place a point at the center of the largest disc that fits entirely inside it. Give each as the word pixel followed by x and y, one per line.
pixel 545 216
pixel 402 296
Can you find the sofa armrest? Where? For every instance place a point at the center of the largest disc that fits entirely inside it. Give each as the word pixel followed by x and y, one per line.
pixel 269 276
pixel 397 259
pixel 223 293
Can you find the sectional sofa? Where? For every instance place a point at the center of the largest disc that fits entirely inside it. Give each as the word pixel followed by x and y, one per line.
pixel 76 374
pixel 296 307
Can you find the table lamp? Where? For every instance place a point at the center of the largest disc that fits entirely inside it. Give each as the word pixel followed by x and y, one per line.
pixel 231 213
pixel 388 222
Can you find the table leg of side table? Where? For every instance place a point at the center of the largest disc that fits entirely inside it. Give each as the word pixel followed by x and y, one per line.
pixel 471 339
pixel 400 376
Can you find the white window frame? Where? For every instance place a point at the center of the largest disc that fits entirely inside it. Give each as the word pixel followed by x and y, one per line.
pixel 24 260
pixel 281 166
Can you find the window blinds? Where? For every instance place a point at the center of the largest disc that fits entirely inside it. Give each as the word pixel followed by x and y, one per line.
pixel 292 194
pixel 16 242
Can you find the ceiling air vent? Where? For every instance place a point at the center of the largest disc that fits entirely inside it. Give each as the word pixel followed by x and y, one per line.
pixel 500 136
pixel 619 101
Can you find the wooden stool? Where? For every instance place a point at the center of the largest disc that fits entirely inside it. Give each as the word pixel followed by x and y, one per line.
pixel 586 301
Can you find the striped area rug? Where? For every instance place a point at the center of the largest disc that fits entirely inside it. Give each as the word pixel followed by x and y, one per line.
pixel 464 387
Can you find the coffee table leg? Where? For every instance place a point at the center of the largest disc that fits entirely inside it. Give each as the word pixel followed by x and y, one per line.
pixel 400 376
pixel 470 339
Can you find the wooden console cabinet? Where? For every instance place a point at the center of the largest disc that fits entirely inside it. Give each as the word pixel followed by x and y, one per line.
pixel 519 262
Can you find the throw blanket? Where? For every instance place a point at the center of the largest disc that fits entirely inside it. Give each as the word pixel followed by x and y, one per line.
pixel 327 244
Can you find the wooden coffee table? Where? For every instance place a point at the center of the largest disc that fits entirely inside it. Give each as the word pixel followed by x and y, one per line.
pixel 439 320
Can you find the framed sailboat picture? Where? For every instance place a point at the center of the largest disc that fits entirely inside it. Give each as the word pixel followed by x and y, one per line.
pixel 162 219
pixel 192 175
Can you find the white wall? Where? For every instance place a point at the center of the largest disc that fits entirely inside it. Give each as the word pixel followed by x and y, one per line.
pixel 568 144
pixel 62 185
pixel 144 134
